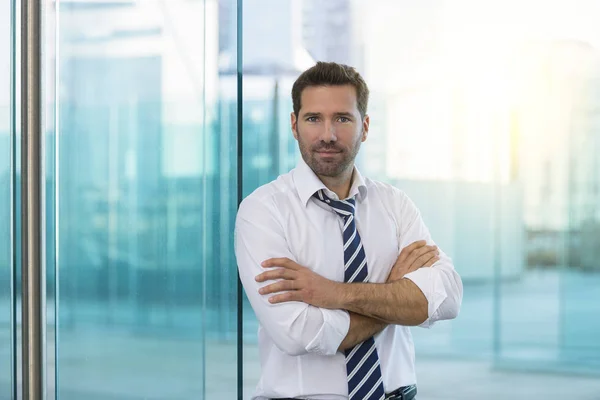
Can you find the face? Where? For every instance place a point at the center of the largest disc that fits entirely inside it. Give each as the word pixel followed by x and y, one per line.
pixel 329 129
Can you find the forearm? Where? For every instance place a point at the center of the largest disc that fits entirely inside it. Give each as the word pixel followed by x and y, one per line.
pixel 400 302
pixel 361 328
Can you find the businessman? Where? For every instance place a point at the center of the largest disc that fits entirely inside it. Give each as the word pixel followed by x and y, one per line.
pixel 337 266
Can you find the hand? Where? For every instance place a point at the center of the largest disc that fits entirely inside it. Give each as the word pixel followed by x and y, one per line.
pixel 412 257
pixel 299 284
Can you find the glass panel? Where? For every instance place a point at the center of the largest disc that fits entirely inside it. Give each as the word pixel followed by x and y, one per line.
pixel 580 279
pixel 49 121
pixel 146 198
pixel 486 116
pixel 269 70
pixel 7 329
pixel 548 315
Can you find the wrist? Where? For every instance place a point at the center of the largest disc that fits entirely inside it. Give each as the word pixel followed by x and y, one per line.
pixel 340 295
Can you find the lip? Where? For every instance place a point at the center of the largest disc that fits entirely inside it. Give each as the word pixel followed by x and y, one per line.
pixel 328 152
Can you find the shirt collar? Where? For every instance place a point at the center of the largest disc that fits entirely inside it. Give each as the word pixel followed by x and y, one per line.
pixel 308 183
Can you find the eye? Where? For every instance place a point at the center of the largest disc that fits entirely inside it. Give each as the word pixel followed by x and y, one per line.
pixel 344 119
pixel 312 119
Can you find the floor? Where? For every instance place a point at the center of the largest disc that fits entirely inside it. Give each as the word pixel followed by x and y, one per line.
pixel 159 370
pixel 543 322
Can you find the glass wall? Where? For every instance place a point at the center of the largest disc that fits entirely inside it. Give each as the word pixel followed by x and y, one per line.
pixel 145 179
pixel 486 115
pixel 6 211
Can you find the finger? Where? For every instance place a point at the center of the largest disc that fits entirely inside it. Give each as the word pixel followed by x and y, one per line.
pixel 280 286
pixel 279 273
pixel 422 260
pixel 287 296
pixel 418 253
pixel 279 262
pixel 431 262
pixel 409 249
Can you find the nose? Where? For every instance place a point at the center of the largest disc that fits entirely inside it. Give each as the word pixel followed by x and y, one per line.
pixel 328 134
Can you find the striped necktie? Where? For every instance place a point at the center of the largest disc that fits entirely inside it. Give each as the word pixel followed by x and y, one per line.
pixel 362 362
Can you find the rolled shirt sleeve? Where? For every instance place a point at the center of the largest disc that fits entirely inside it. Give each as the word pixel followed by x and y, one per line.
pixel 440 283
pixel 296 328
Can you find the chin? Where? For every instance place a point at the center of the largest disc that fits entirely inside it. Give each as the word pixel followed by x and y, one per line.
pixel 329 170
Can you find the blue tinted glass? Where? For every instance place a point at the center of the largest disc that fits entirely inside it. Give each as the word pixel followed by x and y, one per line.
pixel 7 329
pixel 487 117
pixel 146 198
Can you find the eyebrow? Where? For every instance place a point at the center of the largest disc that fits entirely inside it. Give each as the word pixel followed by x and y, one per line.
pixel 337 114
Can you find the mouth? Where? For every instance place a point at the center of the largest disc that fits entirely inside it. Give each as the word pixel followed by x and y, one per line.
pixel 328 151
pixel 328 155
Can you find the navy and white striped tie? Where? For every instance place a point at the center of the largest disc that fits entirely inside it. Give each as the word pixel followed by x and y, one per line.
pixel 362 362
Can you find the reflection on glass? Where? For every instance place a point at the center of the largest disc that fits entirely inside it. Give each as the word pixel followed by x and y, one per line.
pixel 145 185
pixel 487 116
pixel 6 214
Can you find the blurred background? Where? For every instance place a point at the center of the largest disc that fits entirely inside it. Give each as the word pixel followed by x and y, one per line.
pixel 486 113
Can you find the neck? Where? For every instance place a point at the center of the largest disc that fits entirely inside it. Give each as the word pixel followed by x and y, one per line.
pixel 341 184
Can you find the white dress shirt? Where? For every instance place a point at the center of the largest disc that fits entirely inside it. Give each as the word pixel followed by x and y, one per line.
pixel 298 342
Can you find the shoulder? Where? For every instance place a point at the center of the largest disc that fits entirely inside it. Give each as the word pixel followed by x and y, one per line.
pixel 266 198
pixel 395 201
pixel 385 191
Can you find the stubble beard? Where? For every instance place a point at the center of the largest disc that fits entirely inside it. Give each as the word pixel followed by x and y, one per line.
pixel 328 168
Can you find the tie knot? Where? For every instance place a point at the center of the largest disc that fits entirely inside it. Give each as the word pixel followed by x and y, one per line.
pixel 344 208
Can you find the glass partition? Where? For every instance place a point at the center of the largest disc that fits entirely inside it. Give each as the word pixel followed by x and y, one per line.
pixel 146 195
pixel 485 115
pixel 7 211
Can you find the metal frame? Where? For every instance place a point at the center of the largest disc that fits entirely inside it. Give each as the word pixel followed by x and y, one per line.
pixel 32 192
pixel 240 179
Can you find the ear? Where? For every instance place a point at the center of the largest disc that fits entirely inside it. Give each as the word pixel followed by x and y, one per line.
pixel 365 133
pixel 294 123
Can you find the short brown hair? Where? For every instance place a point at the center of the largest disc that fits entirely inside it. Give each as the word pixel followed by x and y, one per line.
pixel 331 74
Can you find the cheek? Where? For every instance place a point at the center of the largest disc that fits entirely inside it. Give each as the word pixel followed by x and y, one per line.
pixel 350 136
pixel 308 134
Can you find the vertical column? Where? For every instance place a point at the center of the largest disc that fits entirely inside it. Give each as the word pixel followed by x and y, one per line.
pixel 33 273
pixel 240 192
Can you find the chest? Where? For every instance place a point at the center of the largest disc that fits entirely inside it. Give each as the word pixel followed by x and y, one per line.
pixel 314 236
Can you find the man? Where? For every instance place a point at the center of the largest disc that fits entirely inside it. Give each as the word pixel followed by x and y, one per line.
pixel 336 266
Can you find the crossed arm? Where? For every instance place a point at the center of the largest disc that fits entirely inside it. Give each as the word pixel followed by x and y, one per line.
pixel 304 312
pixel 363 327
pixel 372 306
